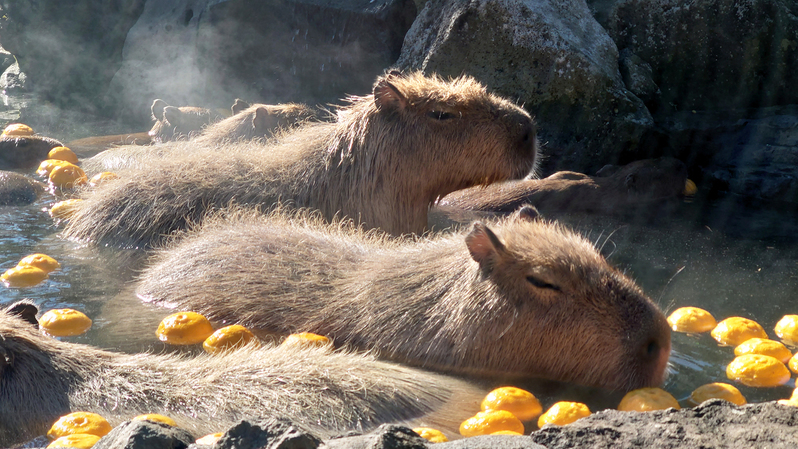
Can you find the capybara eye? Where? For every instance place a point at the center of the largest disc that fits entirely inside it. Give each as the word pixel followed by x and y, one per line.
pixel 440 115
pixel 652 348
pixel 541 284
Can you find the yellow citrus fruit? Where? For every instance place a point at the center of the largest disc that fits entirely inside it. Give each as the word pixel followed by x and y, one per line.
pixel 793 363
pixel 18 129
pixel 757 370
pixel 23 276
pixel 64 209
pixel 40 261
pixel 229 337
pixel 100 178
pixel 76 440
pixel 210 439
pixel 64 322
pixel 431 435
pixel 79 422
pixel 735 330
pixel 787 329
pixel 647 399
pixel 690 188
pixel 63 154
pixel 306 338
pixel 156 418
pixel 563 413
pixel 485 423
pixel 506 432
pixel 793 399
pixel 184 328
pixel 691 320
pixel 521 403
pixel 717 390
pixel 47 166
pixel 765 347
pixel 67 176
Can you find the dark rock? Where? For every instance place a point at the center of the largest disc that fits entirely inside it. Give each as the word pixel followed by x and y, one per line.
pixel 491 441
pixel 549 55
pixel 19 190
pixel 145 435
pixel 387 436
pixel 713 424
pixel 25 152
pixel 268 434
pixel 637 76
pixel 713 54
pixel 13 80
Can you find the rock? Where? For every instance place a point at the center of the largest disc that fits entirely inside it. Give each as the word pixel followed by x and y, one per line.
pixel 207 52
pixel 713 424
pixel 6 59
pixel 13 80
pixel 267 434
pixel 19 190
pixel 549 55
pixel 491 441
pixel 145 435
pixel 638 76
pixel 713 54
pixel 387 436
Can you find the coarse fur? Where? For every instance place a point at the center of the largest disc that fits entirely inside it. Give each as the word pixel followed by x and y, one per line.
pixel 328 391
pixel 178 122
pixel 18 190
pixel 24 152
pixel 522 297
pixel 385 160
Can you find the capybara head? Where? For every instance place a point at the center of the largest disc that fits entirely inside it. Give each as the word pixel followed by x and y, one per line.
pixel 567 309
pixel 173 123
pixel 257 121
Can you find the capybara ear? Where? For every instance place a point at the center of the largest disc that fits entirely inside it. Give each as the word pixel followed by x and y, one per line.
pixel 157 109
pixel 395 73
pixel 528 212
pixel 239 106
pixel 173 115
pixel 387 96
pixel 25 310
pixel 484 246
pixel 263 122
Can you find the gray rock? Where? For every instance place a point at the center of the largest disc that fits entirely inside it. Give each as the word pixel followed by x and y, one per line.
pixel 491 441
pixel 19 190
pixel 145 435
pixel 713 424
pixel 637 76
pixel 268 434
pixel 386 436
pixel 550 55
pixel 13 80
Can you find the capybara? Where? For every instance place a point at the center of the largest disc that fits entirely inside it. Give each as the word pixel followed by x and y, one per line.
pixel 329 392
pixel 178 122
pixel 24 152
pixel 18 190
pixel 522 297
pixel 385 160
pixel 620 190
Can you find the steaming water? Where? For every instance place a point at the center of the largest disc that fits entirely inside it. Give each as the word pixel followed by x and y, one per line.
pixel 679 261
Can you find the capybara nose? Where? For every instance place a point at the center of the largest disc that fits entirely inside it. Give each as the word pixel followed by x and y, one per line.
pixel 656 351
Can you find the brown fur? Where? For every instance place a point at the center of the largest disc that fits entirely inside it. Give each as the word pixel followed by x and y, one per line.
pixel 622 190
pixel 42 378
pixel 175 123
pixel 17 152
pixel 386 159
pixel 529 298
pixel 18 190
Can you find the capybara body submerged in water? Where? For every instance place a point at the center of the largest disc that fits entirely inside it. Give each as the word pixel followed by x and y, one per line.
pixel 522 297
pixel 330 392
pixel 385 160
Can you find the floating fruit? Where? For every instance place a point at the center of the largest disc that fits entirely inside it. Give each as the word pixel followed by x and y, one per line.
pixel 506 432
pixel 67 176
pixel 100 178
pixel 787 329
pixel 563 413
pixel 306 338
pixel 227 338
pixel 691 320
pixel 63 154
pixel 77 440
pixel 765 347
pixel 793 363
pixel 735 330
pixel 717 390
pixel 485 423
pixel 690 188
pixel 79 422
pixel 47 166
pixel 18 130
pixel 521 403
pixel 23 276
pixel 431 435
pixel 210 439
pixel 793 401
pixel 154 417
pixel 64 209
pixel 757 370
pixel 64 322
pixel 40 261
pixel 184 328
pixel 648 399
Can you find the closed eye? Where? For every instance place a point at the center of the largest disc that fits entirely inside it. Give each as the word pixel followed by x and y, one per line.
pixel 440 115
pixel 541 284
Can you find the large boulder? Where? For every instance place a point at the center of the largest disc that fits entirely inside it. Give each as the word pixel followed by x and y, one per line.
pixel 549 55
